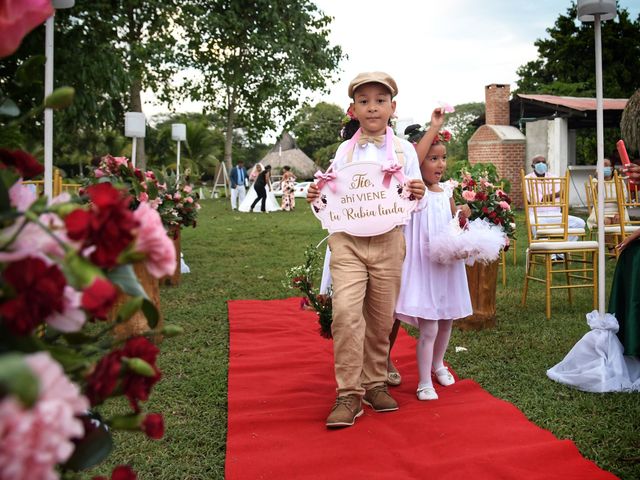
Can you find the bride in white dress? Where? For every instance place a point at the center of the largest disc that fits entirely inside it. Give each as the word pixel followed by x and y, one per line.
pixel 271 204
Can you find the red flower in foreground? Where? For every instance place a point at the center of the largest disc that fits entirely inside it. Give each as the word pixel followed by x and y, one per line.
pixel 153 426
pixel 107 225
pixel 121 472
pixel 137 387
pixel 39 291
pixel 98 298
pixel 25 164
pixel 104 378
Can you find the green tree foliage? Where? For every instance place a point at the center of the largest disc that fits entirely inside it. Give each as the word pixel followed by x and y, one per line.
pixel 566 60
pixel 459 124
pixel 256 58
pixel 316 127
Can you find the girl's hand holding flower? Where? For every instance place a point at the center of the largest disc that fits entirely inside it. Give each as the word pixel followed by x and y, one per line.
pixel 465 211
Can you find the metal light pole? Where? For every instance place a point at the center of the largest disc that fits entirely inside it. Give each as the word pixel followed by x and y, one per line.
pixel 134 127
pixel 179 134
pixel 48 89
pixel 597 11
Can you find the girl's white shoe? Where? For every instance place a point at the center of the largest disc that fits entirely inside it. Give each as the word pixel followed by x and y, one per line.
pixel 427 393
pixel 444 377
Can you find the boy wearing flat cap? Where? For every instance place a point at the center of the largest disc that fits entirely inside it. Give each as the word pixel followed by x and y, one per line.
pixel 366 271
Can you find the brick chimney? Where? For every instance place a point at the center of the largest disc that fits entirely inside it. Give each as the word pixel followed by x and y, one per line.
pixel 496 98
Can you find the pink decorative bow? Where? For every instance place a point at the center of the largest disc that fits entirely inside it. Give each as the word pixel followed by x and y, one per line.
pixel 391 170
pixel 326 178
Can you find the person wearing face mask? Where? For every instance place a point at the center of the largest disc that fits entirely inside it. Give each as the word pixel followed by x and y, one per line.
pixel 541 169
pixel 611 215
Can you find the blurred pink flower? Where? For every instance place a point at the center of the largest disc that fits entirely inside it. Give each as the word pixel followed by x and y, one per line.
pixel 99 173
pixel 72 318
pixel 120 160
pixel 468 195
pixel 143 197
pixel 504 205
pixel 187 189
pixel 33 440
pixel 188 200
pixel 22 196
pixel 19 17
pixel 177 196
pixel 153 241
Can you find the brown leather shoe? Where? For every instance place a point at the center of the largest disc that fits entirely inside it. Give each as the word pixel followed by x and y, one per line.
pixel 379 399
pixel 345 411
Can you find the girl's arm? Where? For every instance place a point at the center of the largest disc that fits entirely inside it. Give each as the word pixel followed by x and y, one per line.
pixel 423 146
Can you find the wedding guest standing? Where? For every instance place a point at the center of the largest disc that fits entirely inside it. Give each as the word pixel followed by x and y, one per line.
pixel 238 190
pixel 288 184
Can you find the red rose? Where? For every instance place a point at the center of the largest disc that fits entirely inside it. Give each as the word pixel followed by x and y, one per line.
pixel 99 298
pixel 137 387
pixel 25 164
pixel 493 215
pixel 102 381
pixel 481 196
pixel 153 426
pixel 485 210
pixel 77 224
pixel 123 472
pixel 38 292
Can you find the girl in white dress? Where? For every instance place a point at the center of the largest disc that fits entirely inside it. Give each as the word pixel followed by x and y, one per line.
pixel 432 294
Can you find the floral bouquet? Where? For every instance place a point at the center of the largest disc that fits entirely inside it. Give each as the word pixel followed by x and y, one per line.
pixel 477 186
pixel 180 203
pixel 301 277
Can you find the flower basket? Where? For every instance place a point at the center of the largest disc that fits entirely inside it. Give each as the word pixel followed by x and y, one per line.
pixel 482 280
pixel 137 324
pixel 173 280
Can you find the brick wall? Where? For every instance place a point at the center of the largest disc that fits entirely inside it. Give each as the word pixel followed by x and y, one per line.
pixel 496 98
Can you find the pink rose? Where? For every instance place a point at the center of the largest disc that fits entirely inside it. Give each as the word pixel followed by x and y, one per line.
pixel 19 17
pixel 143 197
pixel 120 161
pixel 177 196
pixel 22 196
pixel 504 206
pixel 34 440
pixel 187 189
pixel 188 200
pixel 469 195
pixel 98 173
pixel 152 240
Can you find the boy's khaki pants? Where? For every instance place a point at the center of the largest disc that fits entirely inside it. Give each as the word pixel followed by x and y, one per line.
pixel 366 274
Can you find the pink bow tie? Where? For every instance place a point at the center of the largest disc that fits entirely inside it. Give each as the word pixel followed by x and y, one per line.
pixel 326 179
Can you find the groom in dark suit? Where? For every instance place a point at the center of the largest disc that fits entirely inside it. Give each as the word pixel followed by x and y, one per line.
pixel 238 177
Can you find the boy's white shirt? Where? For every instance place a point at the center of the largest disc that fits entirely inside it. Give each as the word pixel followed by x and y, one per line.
pixel 370 153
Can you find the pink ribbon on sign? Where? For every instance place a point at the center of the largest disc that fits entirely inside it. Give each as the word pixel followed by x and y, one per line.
pixel 391 170
pixel 326 179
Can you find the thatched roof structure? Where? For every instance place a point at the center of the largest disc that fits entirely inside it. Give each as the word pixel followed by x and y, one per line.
pixel 285 152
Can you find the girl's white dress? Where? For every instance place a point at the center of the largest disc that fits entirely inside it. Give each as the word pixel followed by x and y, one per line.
pixel 431 290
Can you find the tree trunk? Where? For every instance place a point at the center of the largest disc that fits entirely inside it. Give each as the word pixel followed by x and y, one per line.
pixel 231 117
pixel 136 81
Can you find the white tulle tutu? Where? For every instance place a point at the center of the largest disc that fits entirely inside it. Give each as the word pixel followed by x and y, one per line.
pixel 479 241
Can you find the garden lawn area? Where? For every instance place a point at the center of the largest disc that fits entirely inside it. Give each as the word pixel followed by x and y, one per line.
pixel 244 256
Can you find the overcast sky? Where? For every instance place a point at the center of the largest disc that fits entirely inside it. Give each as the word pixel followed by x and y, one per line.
pixel 436 50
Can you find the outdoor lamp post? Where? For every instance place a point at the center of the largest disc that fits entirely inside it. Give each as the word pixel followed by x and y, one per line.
pixel 134 127
pixel 48 88
pixel 596 11
pixel 179 134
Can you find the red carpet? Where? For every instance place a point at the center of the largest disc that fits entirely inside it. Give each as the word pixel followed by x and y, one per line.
pixel 281 388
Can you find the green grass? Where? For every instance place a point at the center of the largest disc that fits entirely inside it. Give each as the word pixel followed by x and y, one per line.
pixel 243 256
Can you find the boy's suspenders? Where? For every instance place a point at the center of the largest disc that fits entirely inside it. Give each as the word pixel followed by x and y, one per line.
pixel 397 147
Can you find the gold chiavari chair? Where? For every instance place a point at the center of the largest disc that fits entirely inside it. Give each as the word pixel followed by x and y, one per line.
pixel 628 199
pixel 546 201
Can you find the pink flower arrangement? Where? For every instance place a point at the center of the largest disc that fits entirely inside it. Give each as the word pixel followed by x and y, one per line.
pixel 19 17
pixel 33 440
pixel 152 240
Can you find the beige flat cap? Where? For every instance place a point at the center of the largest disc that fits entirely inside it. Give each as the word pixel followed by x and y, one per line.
pixel 373 77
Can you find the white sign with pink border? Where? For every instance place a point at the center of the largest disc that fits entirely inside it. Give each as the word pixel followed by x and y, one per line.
pixel 364 198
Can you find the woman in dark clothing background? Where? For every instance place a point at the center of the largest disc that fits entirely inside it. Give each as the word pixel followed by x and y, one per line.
pixel 262 181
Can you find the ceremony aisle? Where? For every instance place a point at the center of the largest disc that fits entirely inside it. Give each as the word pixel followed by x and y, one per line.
pixel 281 388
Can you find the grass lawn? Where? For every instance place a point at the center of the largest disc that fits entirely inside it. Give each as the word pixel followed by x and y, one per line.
pixel 244 256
